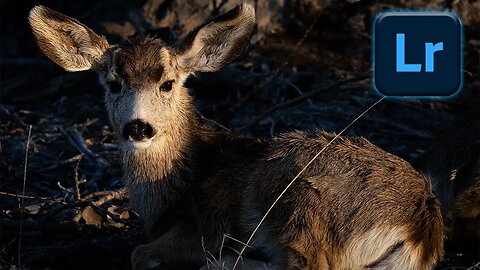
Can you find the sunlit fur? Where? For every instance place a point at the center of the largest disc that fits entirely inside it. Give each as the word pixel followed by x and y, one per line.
pixel 355 207
pixel 65 41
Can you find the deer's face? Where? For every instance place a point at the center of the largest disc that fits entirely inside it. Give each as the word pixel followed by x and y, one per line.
pixel 143 79
pixel 144 90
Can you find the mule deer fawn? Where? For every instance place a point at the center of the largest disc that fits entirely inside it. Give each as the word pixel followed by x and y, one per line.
pixel 452 163
pixel 356 207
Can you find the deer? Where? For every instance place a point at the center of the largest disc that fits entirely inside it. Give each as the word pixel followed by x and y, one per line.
pixel 355 207
pixel 452 164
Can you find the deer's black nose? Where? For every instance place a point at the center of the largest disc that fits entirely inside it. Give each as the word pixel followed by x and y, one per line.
pixel 138 130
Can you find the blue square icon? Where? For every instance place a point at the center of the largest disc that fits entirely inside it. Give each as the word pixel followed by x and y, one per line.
pixel 417 54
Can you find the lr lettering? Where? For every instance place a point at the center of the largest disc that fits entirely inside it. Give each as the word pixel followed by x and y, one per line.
pixel 430 50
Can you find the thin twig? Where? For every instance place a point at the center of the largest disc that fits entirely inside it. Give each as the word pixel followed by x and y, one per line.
pixel 299 99
pixel 64 188
pixel 298 175
pixel 23 195
pixel 77 182
pixel 32 197
pixel 18 196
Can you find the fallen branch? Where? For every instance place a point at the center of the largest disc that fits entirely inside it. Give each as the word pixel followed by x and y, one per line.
pixel 299 99
pixel 120 194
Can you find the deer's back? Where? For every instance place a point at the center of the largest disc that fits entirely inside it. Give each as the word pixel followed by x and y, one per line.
pixel 355 169
pixel 352 192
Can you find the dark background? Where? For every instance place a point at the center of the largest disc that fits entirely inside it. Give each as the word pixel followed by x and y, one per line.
pixel 299 47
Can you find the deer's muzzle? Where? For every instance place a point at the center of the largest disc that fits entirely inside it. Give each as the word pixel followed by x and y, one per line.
pixel 137 130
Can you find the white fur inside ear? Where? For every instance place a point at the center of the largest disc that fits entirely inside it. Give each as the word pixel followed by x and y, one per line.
pixel 66 41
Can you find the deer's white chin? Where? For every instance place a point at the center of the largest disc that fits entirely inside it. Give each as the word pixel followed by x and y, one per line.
pixel 137 145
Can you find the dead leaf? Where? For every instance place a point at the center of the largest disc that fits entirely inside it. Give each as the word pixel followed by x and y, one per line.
pixel 92 217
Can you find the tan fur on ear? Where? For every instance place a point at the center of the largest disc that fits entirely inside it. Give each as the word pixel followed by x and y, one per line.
pixel 219 41
pixel 65 40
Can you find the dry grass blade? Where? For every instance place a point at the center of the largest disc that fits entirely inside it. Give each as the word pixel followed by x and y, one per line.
pixel 475 266
pixel 23 194
pixel 236 240
pixel 221 247
pixel 208 253
pixel 298 175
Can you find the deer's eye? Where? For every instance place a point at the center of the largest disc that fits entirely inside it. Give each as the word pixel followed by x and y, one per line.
pixel 115 87
pixel 166 86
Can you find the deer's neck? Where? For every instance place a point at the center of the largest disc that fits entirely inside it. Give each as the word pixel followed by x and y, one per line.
pixel 159 176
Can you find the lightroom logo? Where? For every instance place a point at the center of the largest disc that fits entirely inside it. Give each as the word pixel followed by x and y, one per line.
pixel 417 54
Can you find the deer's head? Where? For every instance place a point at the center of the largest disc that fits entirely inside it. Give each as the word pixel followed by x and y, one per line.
pixel 143 79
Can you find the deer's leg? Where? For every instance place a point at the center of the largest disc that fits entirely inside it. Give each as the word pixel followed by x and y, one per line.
pixel 300 259
pixel 179 248
pixel 294 260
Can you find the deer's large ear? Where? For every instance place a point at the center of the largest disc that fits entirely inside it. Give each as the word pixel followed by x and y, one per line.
pixel 65 40
pixel 219 41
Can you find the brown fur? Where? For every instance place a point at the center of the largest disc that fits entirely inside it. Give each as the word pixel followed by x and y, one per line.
pixel 356 207
pixel 140 61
